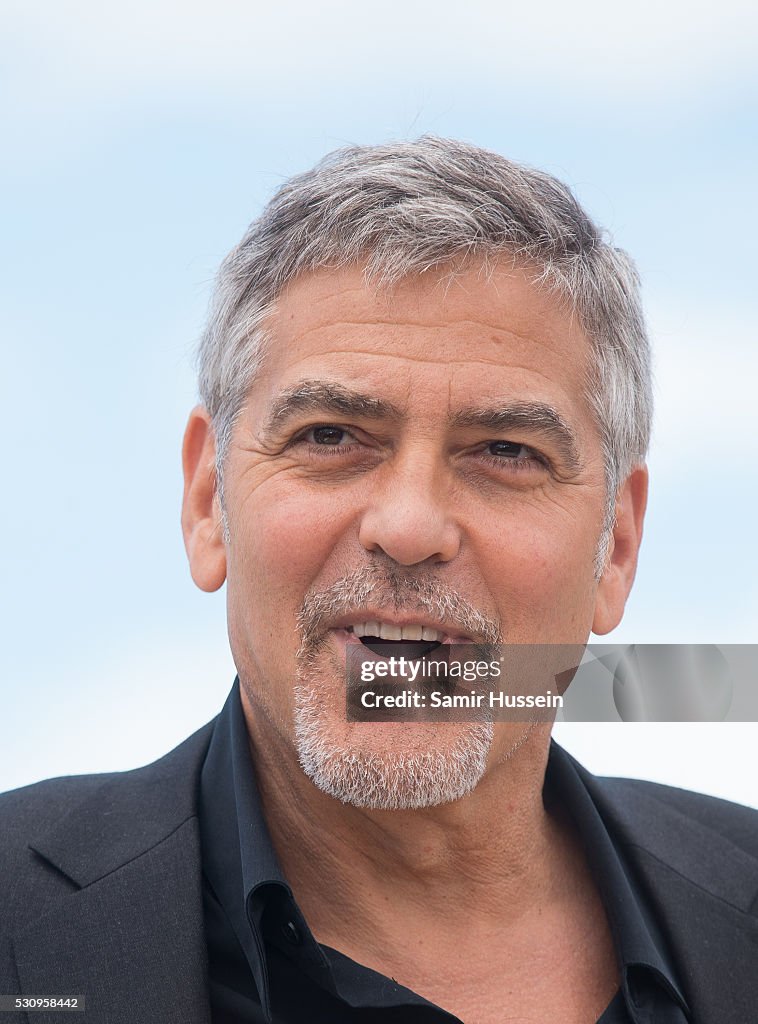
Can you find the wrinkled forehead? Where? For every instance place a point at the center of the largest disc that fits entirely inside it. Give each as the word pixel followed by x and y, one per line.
pixel 478 330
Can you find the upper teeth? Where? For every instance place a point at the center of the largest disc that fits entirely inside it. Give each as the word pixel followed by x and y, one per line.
pixel 387 631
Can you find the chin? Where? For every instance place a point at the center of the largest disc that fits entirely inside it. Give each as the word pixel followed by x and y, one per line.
pixel 391 765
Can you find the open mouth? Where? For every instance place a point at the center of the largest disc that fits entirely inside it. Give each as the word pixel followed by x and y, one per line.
pixel 410 648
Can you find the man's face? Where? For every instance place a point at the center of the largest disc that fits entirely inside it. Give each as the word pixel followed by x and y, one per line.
pixel 433 440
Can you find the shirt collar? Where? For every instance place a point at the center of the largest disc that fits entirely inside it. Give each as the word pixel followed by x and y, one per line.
pixel 238 856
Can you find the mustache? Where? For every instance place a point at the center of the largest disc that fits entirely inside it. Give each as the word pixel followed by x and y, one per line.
pixel 391 588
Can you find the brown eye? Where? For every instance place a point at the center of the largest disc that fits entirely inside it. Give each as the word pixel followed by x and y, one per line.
pixel 328 435
pixel 507 449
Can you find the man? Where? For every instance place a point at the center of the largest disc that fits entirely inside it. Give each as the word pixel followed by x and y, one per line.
pixel 426 408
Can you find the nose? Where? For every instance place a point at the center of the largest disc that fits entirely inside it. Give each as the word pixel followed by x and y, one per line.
pixel 408 517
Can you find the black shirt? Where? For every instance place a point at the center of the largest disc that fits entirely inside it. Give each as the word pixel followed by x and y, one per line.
pixel 266 966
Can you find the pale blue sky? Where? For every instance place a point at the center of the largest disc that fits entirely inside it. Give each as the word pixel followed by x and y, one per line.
pixel 137 144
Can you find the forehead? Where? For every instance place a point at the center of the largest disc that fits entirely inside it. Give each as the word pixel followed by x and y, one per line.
pixel 474 334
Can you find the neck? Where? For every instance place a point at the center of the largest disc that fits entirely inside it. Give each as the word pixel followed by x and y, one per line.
pixel 493 856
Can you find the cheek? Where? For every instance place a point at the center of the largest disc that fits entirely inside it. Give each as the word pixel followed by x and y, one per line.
pixel 280 542
pixel 542 576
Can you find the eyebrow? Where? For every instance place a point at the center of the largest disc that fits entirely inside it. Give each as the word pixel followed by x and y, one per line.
pixel 329 396
pixel 536 417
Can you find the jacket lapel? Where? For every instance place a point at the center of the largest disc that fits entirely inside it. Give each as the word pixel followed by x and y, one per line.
pixel 131 943
pixel 702 888
pixel 130 939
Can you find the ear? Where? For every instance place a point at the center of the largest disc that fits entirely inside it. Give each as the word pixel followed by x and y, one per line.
pixel 621 564
pixel 201 511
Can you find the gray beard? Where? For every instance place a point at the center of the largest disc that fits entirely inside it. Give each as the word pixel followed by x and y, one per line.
pixel 387 781
pixel 373 779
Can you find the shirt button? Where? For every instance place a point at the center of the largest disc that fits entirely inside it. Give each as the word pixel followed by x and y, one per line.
pixel 291 932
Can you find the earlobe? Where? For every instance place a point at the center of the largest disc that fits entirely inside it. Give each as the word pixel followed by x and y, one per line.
pixel 201 513
pixel 618 576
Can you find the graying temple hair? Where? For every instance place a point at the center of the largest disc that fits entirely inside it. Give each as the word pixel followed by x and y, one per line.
pixel 403 208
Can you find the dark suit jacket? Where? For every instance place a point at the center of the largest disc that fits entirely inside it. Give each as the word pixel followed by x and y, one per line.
pixel 100 891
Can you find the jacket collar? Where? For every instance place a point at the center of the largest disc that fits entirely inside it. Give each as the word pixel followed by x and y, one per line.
pixel 130 939
pixel 127 814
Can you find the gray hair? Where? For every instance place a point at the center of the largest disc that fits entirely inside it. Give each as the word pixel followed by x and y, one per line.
pixel 404 208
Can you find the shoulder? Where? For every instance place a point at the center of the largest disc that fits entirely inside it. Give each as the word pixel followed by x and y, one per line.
pixel 646 809
pixel 33 810
pixel 25 813
pixel 37 806
pixel 60 833
pixel 42 803
pixel 675 834
pixel 661 803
